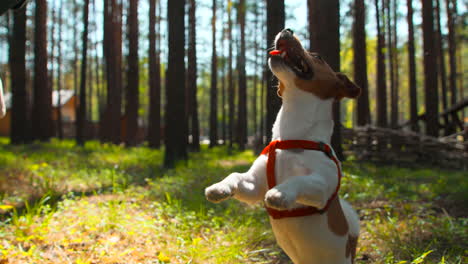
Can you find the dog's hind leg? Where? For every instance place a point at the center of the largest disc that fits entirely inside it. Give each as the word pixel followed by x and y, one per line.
pixel 248 187
pixel 352 218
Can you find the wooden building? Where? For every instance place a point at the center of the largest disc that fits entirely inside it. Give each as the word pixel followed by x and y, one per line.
pixel 67 106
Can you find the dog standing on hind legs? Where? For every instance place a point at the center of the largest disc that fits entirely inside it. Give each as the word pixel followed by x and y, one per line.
pixel 298 176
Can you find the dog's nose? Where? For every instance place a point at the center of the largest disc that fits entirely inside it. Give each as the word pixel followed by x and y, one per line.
pixel 288 31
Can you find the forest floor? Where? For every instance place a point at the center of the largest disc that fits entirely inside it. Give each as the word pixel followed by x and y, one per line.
pixel 109 204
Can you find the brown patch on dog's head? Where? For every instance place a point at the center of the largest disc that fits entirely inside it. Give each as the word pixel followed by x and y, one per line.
pixel 351 246
pixel 348 89
pixel 328 84
pixel 336 219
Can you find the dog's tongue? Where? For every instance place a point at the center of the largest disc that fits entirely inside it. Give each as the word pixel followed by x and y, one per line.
pixel 276 52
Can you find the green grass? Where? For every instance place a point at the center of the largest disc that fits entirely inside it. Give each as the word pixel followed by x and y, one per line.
pixel 118 206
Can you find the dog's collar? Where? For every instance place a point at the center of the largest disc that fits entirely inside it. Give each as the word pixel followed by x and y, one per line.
pixel 271 179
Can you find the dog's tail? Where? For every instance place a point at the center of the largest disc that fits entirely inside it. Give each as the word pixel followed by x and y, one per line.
pixel 2 101
pixel 352 217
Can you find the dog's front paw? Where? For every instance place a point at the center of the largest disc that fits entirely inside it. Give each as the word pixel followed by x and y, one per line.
pixel 279 200
pixel 218 192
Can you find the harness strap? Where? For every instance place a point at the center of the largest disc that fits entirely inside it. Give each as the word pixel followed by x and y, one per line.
pixel 271 179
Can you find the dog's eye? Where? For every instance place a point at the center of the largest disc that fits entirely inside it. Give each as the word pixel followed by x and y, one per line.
pixel 317 57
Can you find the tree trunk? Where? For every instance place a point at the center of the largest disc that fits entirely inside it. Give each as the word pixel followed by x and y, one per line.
pixel 81 113
pixel 223 79
pixel 396 73
pixel 451 14
pixel 256 65
pixel 430 71
pixel 381 73
pixel 275 23
pixel 214 81
pixel 19 110
pixel 42 105
pixel 111 124
pixel 154 127
pixel 133 75
pixel 413 95
pixel 391 65
pixel 441 70
pixel 360 62
pixel 175 136
pixel 75 51
pixel 59 73
pixel 324 29
pixel 52 60
pixel 230 91
pixel 192 79
pixel 242 107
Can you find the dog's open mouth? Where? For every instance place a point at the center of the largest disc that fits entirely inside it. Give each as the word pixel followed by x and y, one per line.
pixel 295 61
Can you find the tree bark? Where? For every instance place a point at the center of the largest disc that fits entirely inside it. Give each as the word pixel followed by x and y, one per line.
pixel 214 81
pixel 81 113
pixel 75 51
pixel 413 95
pixel 391 65
pixel 324 29
pixel 20 125
pixel 175 136
pixel 275 23
pixel 192 79
pixel 242 107
pixel 113 53
pixel 223 79
pixel 59 73
pixel 154 127
pixel 360 62
pixel 430 70
pixel 396 73
pixel 381 73
pixel 133 75
pixel 230 91
pixel 52 62
pixel 452 47
pixel 42 105
pixel 441 70
pixel 256 65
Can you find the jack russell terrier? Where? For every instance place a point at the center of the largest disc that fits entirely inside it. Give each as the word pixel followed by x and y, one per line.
pixel 298 175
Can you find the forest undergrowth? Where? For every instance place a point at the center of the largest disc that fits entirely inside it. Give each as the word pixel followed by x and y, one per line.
pixel 109 204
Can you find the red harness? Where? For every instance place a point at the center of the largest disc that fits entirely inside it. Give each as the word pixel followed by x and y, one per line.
pixel 297 144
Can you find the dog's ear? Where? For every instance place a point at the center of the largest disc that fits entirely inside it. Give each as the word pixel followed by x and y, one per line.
pixel 347 88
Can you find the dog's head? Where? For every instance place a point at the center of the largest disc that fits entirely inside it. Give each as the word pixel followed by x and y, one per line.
pixel 294 66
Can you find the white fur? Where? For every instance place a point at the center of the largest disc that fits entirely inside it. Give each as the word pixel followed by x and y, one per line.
pixel 2 101
pixel 303 178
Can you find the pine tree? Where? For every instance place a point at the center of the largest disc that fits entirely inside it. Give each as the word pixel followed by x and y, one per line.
pixel 133 78
pixel 154 127
pixel 242 106
pixel 81 113
pixel 214 82
pixel 42 105
pixel 17 58
pixel 430 70
pixel 175 136
pixel 192 79
pixel 382 120
pixel 413 96
pixel 360 62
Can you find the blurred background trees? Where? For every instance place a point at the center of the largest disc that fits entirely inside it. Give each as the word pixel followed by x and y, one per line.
pixel 194 72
